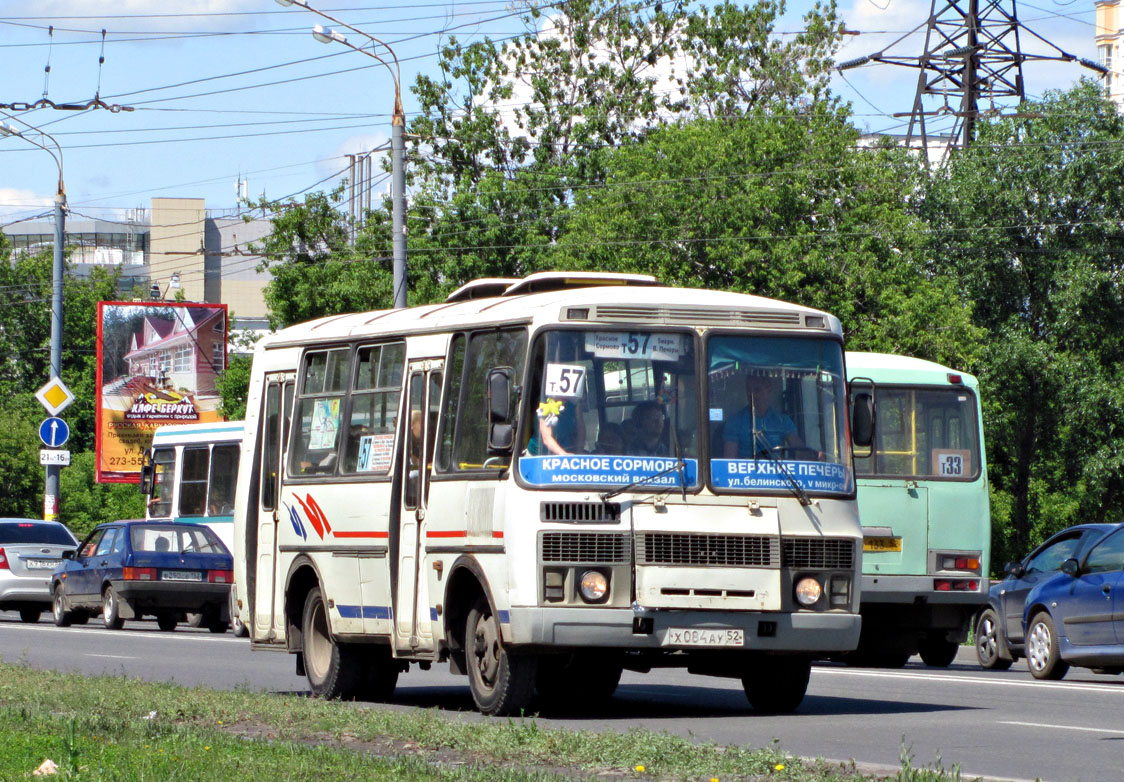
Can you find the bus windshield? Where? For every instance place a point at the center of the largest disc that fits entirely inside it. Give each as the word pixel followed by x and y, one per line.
pixel 924 432
pixel 611 408
pixel 776 408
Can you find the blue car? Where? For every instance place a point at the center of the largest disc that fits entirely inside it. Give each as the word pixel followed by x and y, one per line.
pixel 130 569
pixel 1076 617
pixel 999 627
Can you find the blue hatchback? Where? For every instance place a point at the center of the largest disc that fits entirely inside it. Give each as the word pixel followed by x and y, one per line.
pixel 129 569
pixel 1076 617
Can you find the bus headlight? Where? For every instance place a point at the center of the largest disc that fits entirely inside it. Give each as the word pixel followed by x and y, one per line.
pixel 808 592
pixel 594 585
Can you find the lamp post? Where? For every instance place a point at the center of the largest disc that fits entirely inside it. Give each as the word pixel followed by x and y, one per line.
pixel 51 491
pixel 397 139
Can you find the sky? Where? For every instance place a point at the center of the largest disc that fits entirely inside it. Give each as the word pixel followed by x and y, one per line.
pixel 229 90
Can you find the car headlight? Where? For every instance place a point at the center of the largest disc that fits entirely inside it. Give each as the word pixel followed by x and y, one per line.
pixel 593 586
pixel 808 592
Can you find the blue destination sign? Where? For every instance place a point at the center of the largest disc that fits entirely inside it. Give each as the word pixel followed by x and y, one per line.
pixel 604 470
pixel 766 474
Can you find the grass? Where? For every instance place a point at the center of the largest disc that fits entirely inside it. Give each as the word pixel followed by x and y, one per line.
pixel 118 729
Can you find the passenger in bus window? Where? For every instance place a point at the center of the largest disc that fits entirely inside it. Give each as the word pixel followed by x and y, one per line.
pixel 560 428
pixel 648 420
pixel 610 440
pixel 774 428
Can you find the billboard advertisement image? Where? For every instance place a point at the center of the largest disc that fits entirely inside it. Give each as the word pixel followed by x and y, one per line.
pixel 157 364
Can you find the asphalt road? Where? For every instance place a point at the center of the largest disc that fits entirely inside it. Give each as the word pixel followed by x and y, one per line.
pixel 1003 725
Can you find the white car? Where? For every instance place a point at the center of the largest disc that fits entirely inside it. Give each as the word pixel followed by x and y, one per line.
pixel 30 550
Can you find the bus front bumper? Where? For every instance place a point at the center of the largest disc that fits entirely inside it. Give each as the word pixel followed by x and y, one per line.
pixel 613 628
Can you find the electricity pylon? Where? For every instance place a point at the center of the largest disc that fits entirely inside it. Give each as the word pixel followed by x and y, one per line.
pixel 972 54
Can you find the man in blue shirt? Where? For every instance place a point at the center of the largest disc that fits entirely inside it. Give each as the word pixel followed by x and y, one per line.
pixel 775 429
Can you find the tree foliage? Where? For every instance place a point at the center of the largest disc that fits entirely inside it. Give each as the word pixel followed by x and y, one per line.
pixel 1031 221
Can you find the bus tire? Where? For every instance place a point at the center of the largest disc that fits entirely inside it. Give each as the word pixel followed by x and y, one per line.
pixel 990 649
pixel 501 682
pixel 1042 656
pixel 577 680
pixel 937 652
pixel 777 685
pixel 333 670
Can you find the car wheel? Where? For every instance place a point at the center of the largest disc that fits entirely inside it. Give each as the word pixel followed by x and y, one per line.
pixel 238 627
pixel 30 615
pixel 501 682
pixel 333 670
pixel 777 685
pixel 937 652
pixel 1042 649
pixel 111 609
pixel 989 653
pixel 167 622
pixel 62 616
pixel 212 619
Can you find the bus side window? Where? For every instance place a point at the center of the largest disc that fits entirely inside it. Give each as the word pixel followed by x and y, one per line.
pixel 164 476
pixel 316 446
pixel 193 481
pixel 373 412
pixel 224 474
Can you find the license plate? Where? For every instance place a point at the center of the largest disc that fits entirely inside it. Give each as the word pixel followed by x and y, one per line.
pixel 882 544
pixel 688 636
pixel 40 564
pixel 182 575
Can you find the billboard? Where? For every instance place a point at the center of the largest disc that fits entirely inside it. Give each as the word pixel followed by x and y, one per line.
pixel 157 363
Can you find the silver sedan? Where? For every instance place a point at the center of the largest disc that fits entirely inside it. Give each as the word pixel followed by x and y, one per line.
pixel 30 550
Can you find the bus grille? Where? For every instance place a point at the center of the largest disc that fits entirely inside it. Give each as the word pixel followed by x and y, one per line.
pixel 672 548
pixel 584 547
pixel 819 553
pixel 579 512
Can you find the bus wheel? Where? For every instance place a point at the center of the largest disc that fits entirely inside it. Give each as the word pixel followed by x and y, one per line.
pixel 578 680
pixel 937 652
pixel 777 685
pixel 501 682
pixel 333 670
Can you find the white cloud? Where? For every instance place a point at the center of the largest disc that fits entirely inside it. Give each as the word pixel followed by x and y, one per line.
pixel 136 15
pixel 16 204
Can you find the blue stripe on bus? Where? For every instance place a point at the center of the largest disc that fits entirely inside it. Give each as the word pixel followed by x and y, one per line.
pixel 177 436
pixel 432 614
pixel 364 612
pixel 505 617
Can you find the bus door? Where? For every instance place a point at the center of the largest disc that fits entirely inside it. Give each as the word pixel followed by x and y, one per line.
pixel 277 405
pixel 413 630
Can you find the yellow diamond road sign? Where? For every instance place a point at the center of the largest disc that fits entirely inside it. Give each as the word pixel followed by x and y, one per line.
pixel 54 396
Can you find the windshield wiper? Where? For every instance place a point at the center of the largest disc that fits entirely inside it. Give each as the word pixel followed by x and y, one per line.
pixel 677 467
pixel 797 489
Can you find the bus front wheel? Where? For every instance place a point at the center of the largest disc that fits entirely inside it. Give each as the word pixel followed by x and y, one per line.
pixel 501 682
pixel 333 670
pixel 777 685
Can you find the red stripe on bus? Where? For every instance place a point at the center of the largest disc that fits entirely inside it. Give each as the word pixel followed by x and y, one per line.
pixel 447 533
pixel 361 534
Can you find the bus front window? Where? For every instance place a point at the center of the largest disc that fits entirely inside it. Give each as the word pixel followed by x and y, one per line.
pixel 776 410
pixel 611 408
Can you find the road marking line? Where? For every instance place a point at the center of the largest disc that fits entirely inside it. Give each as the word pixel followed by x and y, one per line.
pixel 112 656
pixel 985 680
pixel 1061 727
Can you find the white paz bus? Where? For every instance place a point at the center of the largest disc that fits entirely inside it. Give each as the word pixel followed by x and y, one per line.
pixel 547 481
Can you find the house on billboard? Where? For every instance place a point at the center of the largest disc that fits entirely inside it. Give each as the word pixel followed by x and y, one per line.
pixel 174 363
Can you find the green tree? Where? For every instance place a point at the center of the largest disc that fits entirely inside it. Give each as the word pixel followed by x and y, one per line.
pixel 779 206
pixel 1030 221
pixel 87 503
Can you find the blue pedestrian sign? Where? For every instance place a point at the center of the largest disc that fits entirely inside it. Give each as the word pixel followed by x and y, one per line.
pixel 54 432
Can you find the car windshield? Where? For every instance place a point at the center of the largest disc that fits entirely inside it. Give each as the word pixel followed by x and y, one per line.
pixel 611 408
pixel 924 433
pixel 776 408
pixel 17 531
pixel 176 539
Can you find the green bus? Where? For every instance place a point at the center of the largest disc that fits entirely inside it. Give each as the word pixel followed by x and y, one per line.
pixel 923 505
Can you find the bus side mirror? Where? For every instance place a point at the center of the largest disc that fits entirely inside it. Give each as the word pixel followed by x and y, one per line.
pixel 501 432
pixel 862 419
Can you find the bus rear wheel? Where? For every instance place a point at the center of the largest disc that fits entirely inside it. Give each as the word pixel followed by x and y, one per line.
pixel 777 685
pixel 501 682
pixel 937 652
pixel 333 670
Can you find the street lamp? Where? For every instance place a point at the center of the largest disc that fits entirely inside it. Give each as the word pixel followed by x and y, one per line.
pixel 51 492
pixel 397 140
